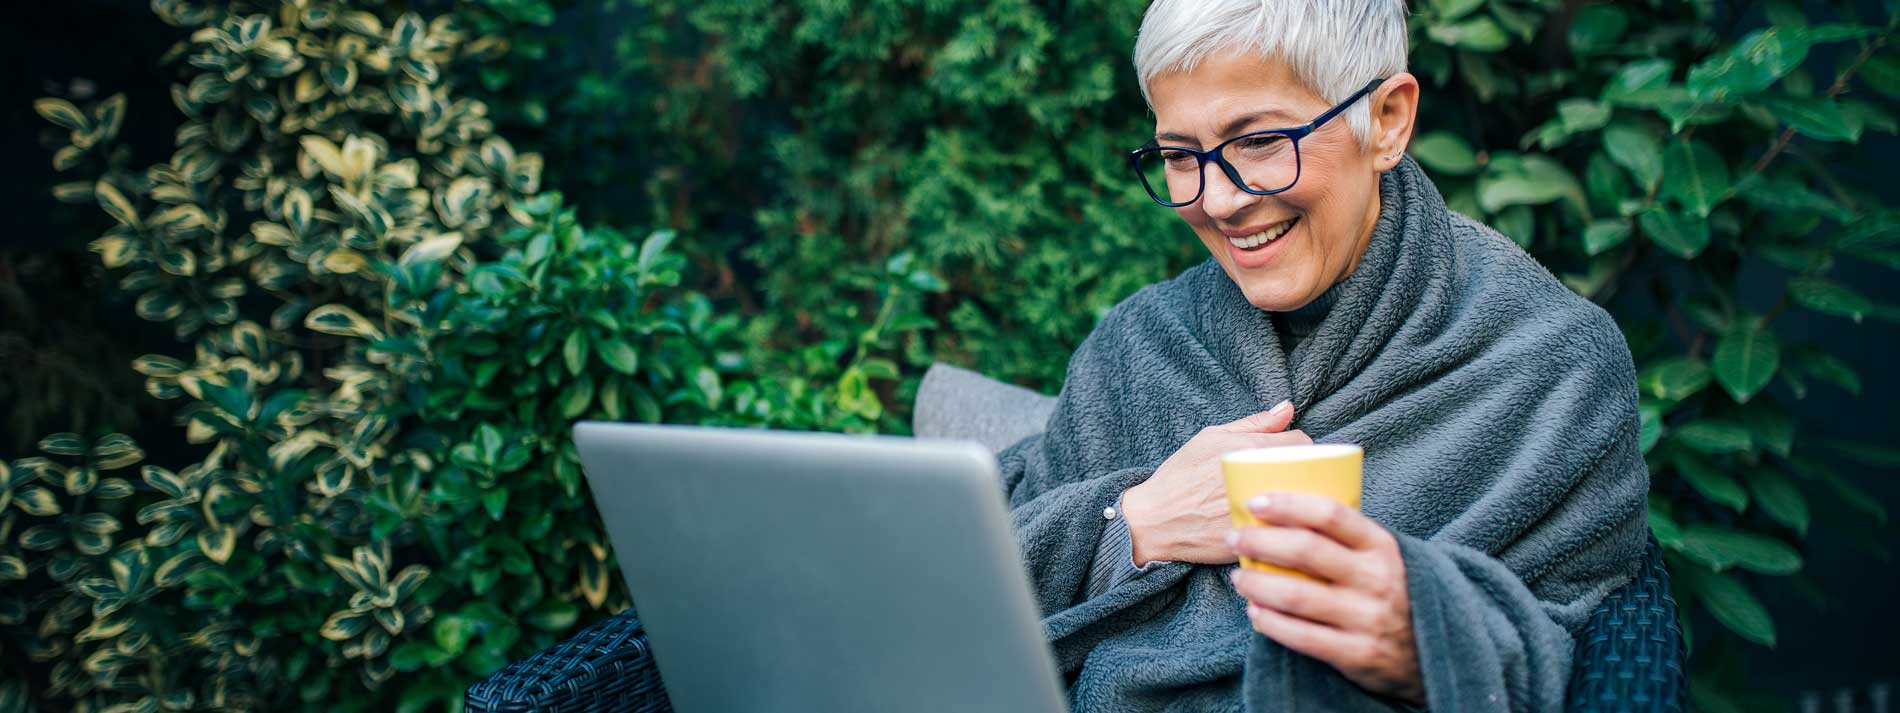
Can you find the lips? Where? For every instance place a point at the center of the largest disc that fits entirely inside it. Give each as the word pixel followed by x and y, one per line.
pixel 1261 238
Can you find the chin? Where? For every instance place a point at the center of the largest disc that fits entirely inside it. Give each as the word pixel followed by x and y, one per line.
pixel 1264 296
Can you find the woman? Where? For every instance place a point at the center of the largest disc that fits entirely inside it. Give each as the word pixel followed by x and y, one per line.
pixel 1343 303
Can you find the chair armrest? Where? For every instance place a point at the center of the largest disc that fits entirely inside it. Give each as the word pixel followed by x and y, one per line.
pixel 606 668
pixel 1630 654
pixel 964 405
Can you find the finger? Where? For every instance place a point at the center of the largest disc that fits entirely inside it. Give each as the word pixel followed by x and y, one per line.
pixel 1320 514
pixel 1269 421
pixel 1322 603
pixel 1342 649
pixel 1294 437
pixel 1297 549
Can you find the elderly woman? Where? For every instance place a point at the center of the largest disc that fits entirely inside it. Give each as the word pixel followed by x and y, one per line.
pixel 1504 484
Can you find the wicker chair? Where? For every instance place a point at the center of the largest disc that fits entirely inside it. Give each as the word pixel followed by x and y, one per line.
pixel 1629 656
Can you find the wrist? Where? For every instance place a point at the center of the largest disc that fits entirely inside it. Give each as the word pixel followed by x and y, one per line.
pixel 1135 514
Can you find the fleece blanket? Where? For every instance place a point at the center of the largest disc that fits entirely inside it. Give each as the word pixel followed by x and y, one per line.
pixel 1498 415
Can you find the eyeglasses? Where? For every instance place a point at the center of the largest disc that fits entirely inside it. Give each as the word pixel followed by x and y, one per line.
pixel 1261 163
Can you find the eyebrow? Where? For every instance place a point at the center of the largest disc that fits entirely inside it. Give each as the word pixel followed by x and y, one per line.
pixel 1231 128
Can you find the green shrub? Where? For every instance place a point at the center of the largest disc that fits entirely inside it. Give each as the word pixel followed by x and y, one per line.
pixel 388 333
pixel 1647 152
pixel 388 327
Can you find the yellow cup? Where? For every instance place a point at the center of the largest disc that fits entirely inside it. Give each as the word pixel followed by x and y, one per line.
pixel 1334 471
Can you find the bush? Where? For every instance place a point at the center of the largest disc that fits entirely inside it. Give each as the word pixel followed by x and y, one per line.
pixel 1647 152
pixel 388 326
pixel 390 331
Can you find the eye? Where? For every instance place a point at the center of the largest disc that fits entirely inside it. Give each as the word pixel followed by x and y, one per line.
pixel 1177 157
pixel 1258 144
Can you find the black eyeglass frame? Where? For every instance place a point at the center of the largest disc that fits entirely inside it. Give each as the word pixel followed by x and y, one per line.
pixel 1292 133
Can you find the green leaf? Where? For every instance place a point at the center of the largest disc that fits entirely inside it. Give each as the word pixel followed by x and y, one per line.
pixel 97 523
pixel 1837 32
pixel 344 625
pixel 1828 297
pixel 574 352
pixel 1517 223
pixel 115 204
pixel 1711 482
pixel 1661 524
pixel 1677 234
pixel 1454 9
pixel 1638 83
pixel 80 480
pixel 1695 175
pixel 1750 65
pixel 552 615
pixel 1737 608
pixel 37 501
pixel 115 451
pixel 618 355
pixel 495 501
pixel 63 444
pixel 1714 436
pixel 1817 118
pixel 452 632
pixel 1637 150
pixel 1721 548
pixel 1882 73
pixel 431 250
pixel 707 383
pixel 1650 431
pixel 1778 497
pixel 1675 378
pixel 1479 34
pixel 653 247
pixel 340 321
pixel 1602 235
pixel 1580 115
pixel 1770 426
pixel 1526 179
pixel 1446 153
pixel 1829 368
pixel 576 396
pixel 1596 27
pixel 1746 359
pixel 61 112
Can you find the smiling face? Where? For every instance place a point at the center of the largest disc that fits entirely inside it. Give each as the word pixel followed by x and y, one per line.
pixel 1285 249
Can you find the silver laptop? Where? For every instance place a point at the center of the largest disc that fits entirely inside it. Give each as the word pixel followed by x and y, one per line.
pixel 779 571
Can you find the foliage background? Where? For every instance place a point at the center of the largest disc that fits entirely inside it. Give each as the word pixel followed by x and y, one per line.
pixel 779 213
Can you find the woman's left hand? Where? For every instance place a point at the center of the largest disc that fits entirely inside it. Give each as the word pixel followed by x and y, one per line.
pixel 1358 617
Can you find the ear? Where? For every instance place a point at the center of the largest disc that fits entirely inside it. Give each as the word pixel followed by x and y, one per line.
pixel 1394 115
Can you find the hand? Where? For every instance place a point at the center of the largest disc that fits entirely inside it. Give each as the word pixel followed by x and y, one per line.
pixel 1180 513
pixel 1359 617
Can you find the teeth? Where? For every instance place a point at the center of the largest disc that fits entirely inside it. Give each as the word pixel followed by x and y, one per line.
pixel 1263 237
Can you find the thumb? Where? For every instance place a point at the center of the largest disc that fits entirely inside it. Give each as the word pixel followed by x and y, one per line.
pixel 1273 420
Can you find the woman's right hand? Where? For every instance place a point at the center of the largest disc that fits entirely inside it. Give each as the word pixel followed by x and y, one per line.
pixel 1180 513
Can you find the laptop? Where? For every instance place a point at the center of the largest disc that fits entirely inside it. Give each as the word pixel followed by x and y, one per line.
pixel 780 571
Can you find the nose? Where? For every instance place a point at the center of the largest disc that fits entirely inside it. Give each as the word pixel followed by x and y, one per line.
pixel 1220 198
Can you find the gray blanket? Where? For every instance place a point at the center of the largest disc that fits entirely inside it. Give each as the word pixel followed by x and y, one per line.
pixel 1498 415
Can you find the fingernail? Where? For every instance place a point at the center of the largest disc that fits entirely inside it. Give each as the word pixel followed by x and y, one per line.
pixel 1233 538
pixel 1281 407
pixel 1258 502
pixel 1253 609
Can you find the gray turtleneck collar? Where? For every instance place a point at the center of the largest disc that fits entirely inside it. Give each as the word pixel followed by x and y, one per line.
pixel 1295 325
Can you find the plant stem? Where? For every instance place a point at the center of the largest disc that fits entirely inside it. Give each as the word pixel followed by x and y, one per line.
pixel 1834 90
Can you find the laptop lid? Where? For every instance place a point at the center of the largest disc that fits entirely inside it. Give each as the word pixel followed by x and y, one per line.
pixel 820 572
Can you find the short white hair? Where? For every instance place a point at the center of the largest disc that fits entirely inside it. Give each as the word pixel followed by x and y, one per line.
pixel 1334 47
